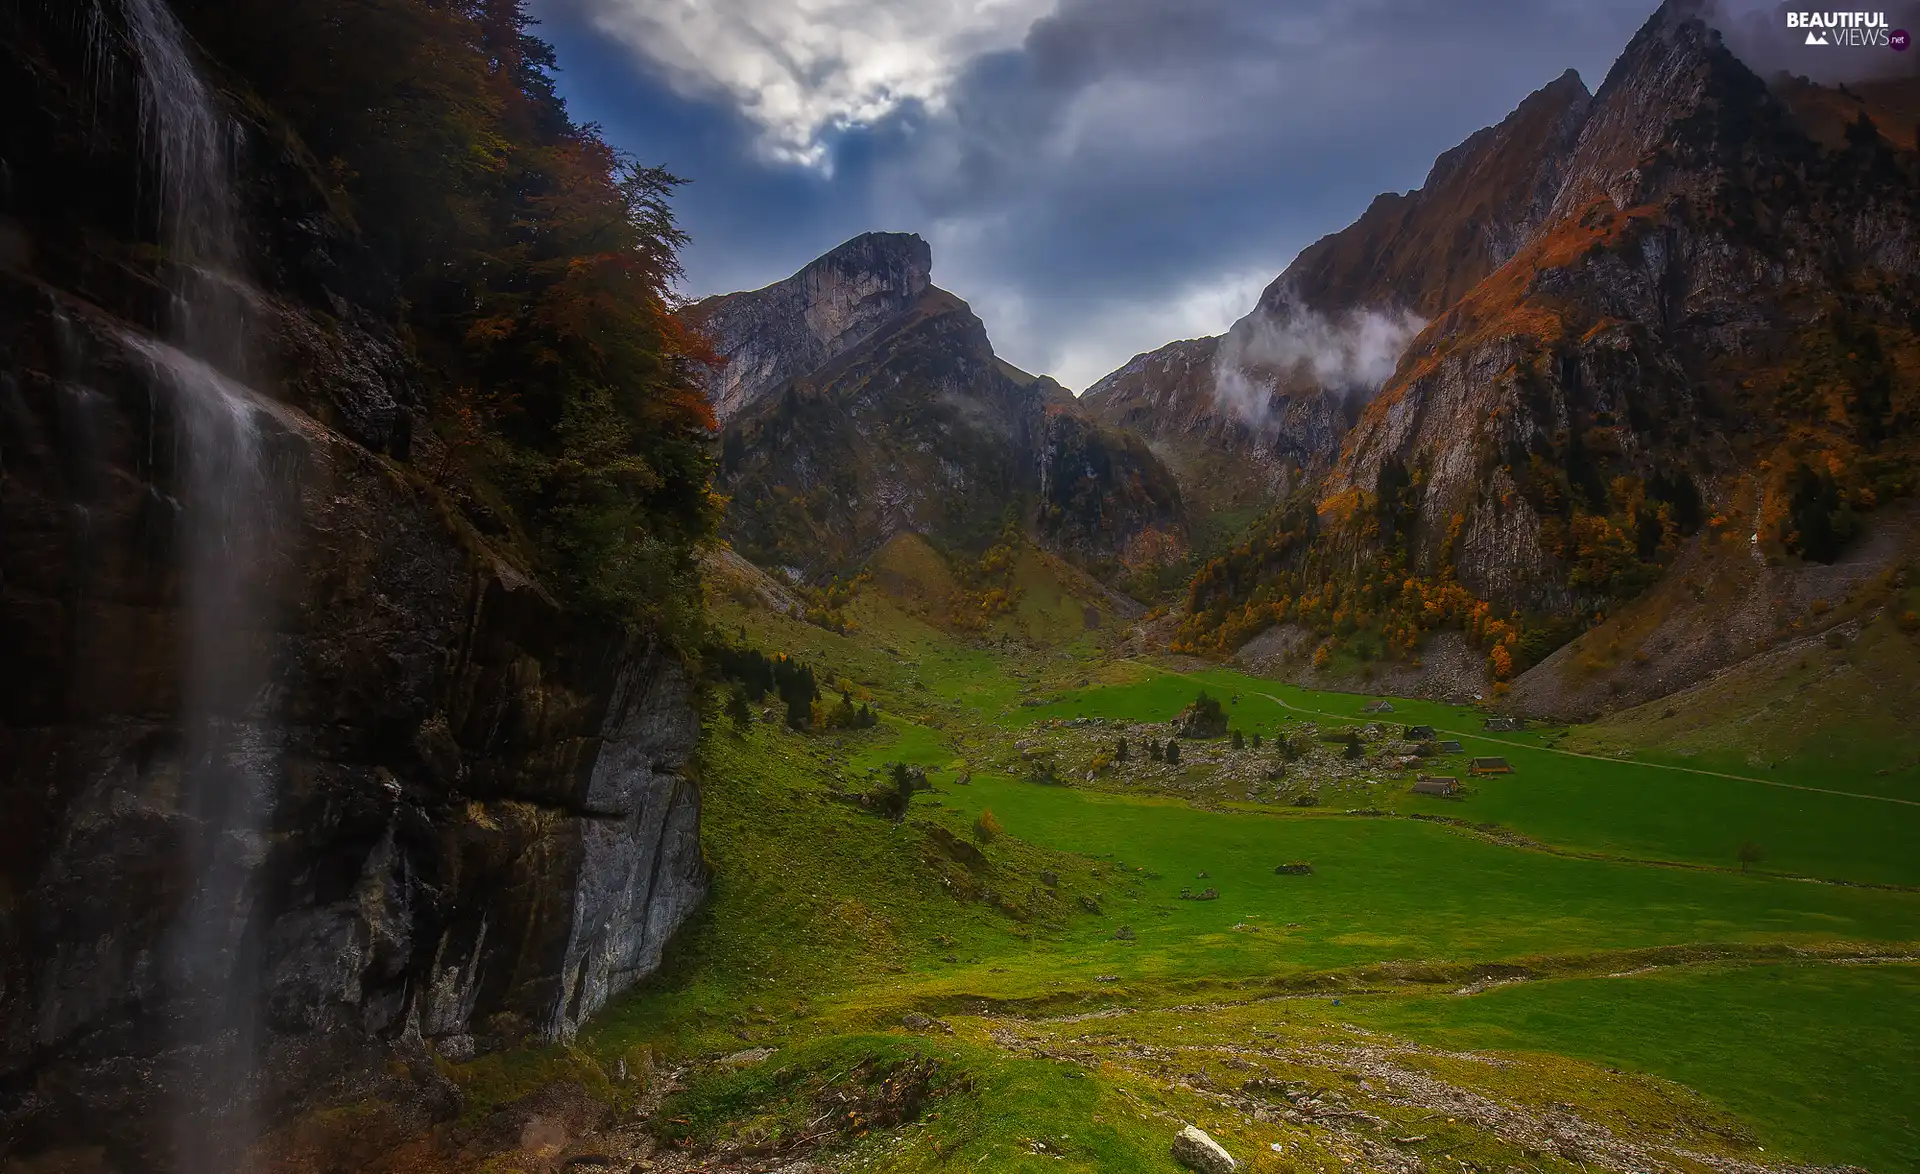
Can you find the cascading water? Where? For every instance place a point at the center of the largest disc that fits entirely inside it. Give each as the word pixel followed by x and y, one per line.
pixel 230 755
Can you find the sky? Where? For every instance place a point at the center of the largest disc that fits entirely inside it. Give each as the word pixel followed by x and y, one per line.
pixel 1096 177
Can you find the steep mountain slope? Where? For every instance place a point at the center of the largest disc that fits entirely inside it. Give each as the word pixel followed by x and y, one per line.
pixel 1715 298
pixel 1715 325
pixel 1276 392
pixel 915 426
pixel 773 335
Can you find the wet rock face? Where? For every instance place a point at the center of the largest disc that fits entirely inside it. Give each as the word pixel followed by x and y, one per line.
pixel 477 825
pixel 772 335
pixel 474 824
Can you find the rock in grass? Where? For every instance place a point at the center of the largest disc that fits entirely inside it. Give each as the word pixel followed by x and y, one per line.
pixel 1297 868
pixel 1123 934
pixel 1193 1149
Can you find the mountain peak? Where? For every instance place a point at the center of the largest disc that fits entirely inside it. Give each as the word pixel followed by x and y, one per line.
pixel 839 300
pixel 886 254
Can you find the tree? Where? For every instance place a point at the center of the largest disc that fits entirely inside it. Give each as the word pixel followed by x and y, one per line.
pixel 1239 741
pixel 1154 751
pixel 1120 751
pixel 737 708
pixel 1173 752
pixel 1822 522
pixel 1750 853
pixel 1256 740
pixel 1205 718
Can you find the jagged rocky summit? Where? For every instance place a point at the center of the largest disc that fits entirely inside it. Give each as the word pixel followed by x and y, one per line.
pixel 861 401
pixel 1671 324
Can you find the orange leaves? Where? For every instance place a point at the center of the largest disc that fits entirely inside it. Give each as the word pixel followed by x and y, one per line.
pixel 1500 662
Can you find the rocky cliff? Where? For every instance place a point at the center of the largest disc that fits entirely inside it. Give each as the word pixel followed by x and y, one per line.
pixel 774 335
pixel 914 426
pixel 277 821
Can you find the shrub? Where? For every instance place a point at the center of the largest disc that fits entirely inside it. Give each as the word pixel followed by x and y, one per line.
pixel 1120 751
pixel 737 708
pixel 1173 753
pixel 1205 718
pixel 1239 741
pixel 986 828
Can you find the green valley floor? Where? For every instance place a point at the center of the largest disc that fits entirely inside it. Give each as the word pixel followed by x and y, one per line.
pixel 1058 957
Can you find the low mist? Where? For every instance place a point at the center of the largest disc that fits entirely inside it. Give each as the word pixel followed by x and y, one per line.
pixel 1350 355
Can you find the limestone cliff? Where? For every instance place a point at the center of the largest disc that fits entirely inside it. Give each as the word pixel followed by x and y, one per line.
pixel 773 335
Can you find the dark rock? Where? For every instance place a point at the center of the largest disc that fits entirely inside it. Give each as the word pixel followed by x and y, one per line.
pixel 476 827
pixel 1297 868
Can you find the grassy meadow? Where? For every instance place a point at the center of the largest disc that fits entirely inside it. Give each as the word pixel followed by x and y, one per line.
pixel 1568 969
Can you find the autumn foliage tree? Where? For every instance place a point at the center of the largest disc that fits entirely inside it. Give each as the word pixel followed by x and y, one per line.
pixel 528 265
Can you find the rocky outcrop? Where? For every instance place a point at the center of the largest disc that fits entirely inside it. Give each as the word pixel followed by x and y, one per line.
pixel 465 814
pixel 773 335
pixel 921 428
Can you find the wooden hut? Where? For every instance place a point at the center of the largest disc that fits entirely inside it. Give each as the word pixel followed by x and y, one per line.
pixel 1377 707
pixel 1420 733
pixel 1449 746
pixel 1490 766
pixel 1436 785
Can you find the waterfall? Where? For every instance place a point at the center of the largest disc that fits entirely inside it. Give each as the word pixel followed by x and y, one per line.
pixel 230 764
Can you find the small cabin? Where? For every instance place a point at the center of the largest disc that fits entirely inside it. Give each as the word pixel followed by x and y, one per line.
pixel 1447 747
pixel 1377 707
pixel 1420 733
pixel 1436 785
pixel 1490 766
pixel 1506 725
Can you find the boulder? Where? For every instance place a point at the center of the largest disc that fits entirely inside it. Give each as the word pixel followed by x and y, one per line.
pixel 1193 1149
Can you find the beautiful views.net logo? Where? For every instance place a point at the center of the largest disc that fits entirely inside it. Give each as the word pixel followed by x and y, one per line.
pixel 1863 29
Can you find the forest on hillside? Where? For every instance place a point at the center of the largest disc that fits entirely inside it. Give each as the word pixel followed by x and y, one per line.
pixel 527 263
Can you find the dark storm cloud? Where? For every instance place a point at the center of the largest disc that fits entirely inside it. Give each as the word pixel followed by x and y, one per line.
pixel 1121 173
